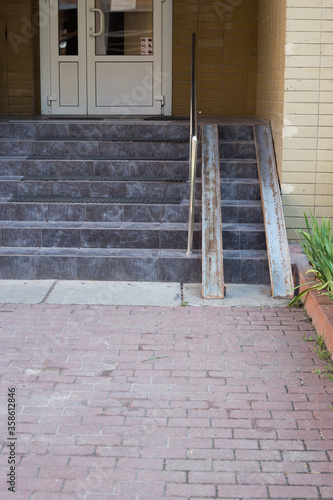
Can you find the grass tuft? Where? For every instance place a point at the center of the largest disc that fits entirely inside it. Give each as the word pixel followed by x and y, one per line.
pixel 324 354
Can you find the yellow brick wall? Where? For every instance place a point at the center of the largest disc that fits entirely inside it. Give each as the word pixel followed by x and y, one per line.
pixel 19 55
pixel 227 56
pixel 3 61
pixel 307 174
pixel 271 61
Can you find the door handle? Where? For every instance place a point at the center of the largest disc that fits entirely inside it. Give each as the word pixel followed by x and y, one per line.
pixel 102 30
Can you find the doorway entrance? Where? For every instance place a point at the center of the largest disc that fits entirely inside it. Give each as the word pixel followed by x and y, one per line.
pixel 105 58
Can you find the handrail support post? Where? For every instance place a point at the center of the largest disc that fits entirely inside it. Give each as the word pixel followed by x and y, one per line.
pixel 192 194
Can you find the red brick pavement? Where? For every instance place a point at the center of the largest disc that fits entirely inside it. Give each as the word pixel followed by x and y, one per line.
pixel 229 408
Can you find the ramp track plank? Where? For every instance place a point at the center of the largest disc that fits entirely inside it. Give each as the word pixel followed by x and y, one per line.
pixel 212 262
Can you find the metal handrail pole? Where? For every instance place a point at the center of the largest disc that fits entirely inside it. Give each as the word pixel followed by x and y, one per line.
pixel 193 147
pixel 193 103
pixel 194 87
pixel 192 194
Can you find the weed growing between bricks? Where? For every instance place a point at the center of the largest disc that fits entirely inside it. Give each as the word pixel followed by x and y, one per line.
pixel 320 348
pixel 323 353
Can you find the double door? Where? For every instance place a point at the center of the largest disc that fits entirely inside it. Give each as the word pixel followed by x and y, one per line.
pixel 105 57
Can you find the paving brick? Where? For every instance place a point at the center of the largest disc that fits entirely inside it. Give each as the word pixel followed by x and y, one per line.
pixel 326 492
pixel 229 408
pixel 188 442
pixel 62 472
pixel 304 456
pixel 281 444
pixel 311 479
pixel 240 491
pixel 215 454
pixel 213 433
pixel 310 492
pixel 262 455
pixel 236 444
pixel 212 477
pixel 146 489
pixel 261 478
pixel 162 476
pixel 41 484
pixel 138 463
pixel 298 434
pixel 55 496
pixel 189 465
pixel 164 453
pixel 234 465
pixel 88 486
pixel 285 467
pixel 80 461
pixel 255 434
pixel 191 490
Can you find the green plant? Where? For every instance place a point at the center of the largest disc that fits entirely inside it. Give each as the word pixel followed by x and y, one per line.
pixel 184 304
pixel 323 354
pixel 318 247
pixel 310 339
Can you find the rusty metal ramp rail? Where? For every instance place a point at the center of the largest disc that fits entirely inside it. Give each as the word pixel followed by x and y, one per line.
pixel 275 230
pixel 212 261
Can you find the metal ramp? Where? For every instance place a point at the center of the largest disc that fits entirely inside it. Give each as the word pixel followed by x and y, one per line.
pixel 276 236
pixel 240 185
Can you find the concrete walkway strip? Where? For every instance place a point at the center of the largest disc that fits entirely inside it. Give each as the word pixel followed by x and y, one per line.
pixel 236 296
pixel 130 294
pixel 24 291
pixel 116 293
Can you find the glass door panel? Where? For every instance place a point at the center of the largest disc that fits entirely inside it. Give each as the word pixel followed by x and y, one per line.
pixel 123 27
pixel 68 24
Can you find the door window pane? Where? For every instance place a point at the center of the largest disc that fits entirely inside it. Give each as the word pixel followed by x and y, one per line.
pixel 68 28
pixel 128 27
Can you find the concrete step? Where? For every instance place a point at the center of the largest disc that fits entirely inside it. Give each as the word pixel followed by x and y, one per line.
pixel 242 211
pixel 240 189
pixel 98 212
pixel 91 188
pixel 108 129
pixel 246 266
pixel 247 169
pixel 236 132
pixel 100 264
pixel 95 130
pixel 20 166
pixel 106 149
pixel 97 235
pixel 243 236
pixel 231 189
pixel 237 149
pixel 243 266
pixel 123 235
pixel 233 210
pixel 117 150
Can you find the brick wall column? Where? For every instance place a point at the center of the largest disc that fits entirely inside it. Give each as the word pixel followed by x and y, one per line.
pixel 19 57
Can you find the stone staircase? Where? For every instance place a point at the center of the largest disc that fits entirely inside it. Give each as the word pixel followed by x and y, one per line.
pixel 243 231
pixel 108 200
